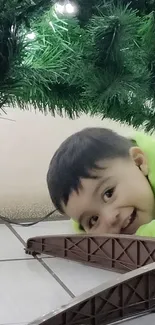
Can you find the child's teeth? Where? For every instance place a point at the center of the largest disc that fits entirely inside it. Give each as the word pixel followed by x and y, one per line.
pixel 126 223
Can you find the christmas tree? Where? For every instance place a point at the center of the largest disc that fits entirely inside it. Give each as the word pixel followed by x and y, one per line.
pixel 13 15
pixel 100 60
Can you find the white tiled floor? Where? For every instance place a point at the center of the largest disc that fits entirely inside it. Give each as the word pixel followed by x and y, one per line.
pixel 31 290
pixel 30 287
pixel 77 277
pixel 45 228
pixel 10 246
pixel 28 290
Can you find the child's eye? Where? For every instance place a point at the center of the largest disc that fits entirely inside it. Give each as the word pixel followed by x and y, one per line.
pixel 108 194
pixel 92 221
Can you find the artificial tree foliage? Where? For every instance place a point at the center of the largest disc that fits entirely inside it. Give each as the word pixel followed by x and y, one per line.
pixel 100 62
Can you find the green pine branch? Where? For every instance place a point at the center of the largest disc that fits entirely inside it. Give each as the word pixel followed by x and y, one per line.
pixel 13 13
pixel 105 67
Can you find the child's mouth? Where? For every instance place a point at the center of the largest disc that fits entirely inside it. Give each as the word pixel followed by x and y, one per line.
pixel 129 221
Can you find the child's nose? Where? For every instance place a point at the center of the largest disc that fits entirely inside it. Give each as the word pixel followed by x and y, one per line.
pixel 110 218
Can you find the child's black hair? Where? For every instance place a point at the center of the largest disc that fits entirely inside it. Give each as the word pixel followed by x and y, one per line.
pixel 77 156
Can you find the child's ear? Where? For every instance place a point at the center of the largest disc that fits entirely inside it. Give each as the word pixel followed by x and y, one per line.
pixel 139 159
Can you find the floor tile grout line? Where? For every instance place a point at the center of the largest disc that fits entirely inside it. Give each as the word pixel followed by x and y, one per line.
pixel 23 323
pixel 15 260
pixel 40 260
pixel 23 259
pixel 16 234
pixel 71 294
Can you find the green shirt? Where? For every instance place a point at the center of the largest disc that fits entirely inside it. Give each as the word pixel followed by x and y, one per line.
pixel 147 144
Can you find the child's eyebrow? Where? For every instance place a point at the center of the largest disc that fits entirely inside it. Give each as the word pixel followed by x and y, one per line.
pixel 98 186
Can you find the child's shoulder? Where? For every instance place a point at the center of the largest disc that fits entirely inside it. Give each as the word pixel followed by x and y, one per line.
pixel 146 143
pixel 143 140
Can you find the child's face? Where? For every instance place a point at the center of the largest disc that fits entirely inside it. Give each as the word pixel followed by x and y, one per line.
pixel 120 200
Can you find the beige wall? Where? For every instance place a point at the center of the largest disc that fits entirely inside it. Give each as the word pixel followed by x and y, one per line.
pixel 26 147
